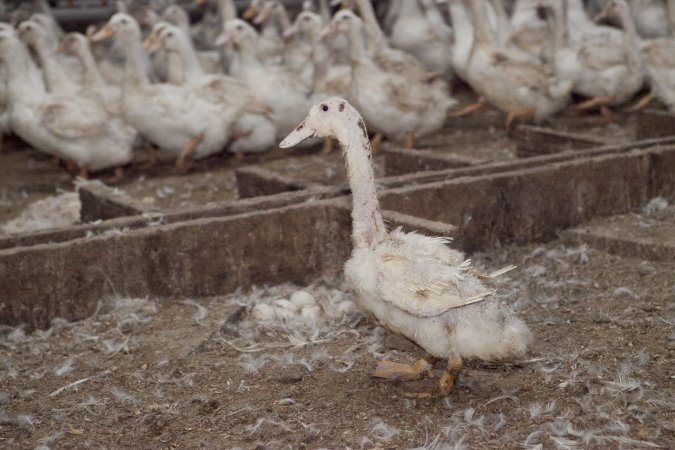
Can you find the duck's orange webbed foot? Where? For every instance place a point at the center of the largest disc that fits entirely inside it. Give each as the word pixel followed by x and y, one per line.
pixel 445 384
pixel 404 372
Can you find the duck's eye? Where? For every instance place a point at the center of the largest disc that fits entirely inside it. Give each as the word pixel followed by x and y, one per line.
pixel 169 34
pixel 239 27
pixel 324 107
pixel 306 19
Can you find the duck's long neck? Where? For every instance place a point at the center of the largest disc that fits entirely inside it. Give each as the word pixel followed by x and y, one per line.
pixel 410 8
pixel 367 225
pixel 376 37
pixel 481 30
pixel 461 22
pixel 504 29
pixel 357 46
pixel 55 77
pixel 192 67
pixel 577 17
pixel 227 10
pixel 136 67
pixel 23 79
pixel 282 17
pixel 92 75
pixel 248 53
pixel 632 44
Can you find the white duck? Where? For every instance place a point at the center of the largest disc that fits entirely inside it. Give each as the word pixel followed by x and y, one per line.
pixel 412 284
pixel 386 57
pixel 270 45
pixel 271 85
pixel 398 106
pixel 180 123
pixel 56 78
pixel 651 18
pixel 612 71
pixel 519 88
pixel 414 33
pixel 329 78
pixel 253 131
pixel 296 51
pixel 70 127
pixel 94 85
pixel 659 60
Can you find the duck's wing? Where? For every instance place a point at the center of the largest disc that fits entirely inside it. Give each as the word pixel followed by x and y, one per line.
pixel 70 118
pixel 423 287
pixel 403 95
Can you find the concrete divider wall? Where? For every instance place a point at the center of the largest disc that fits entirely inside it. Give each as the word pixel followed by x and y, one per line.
pixel 197 258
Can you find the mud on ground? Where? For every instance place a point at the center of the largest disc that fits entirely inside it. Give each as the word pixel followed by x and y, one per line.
pixel 224 373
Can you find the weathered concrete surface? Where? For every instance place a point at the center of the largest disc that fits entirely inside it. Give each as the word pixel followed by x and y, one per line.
pixel 258 181
pixel 654 123
pixel 535 203
pixel 532 140
pixel 101 202
pixel 203 257
pixel 629 235
pixel 400 161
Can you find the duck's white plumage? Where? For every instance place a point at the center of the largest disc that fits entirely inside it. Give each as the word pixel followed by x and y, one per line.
pixel 412 284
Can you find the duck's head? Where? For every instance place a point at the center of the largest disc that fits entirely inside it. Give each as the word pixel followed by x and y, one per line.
pixel 613 8
pixel 120 24
pixel 154 40
pixel 270 9
pixel 30 32
pixel 176 15
pixel 73 43
pixel 252 9
pixel 342 22
pixel 236 31
pixel 333 117
pixel 307 22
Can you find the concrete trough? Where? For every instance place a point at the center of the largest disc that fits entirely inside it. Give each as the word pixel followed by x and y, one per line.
pixel 301 236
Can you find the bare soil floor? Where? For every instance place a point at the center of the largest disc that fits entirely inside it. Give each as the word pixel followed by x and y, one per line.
pixel 224 373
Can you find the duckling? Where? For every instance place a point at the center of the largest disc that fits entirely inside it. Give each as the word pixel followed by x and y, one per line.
pixel 398 106
pixel 414 285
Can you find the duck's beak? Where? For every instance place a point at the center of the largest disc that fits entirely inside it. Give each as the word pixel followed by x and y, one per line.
pixel 291 31
pixel 199 2
pixel 329 30
pixel 263 15
pixel 104 33
pixel 223 38
pixel 250 11
pixel 298 135
pixel 151 43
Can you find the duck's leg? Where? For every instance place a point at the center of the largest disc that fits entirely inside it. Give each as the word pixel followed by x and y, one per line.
pixel 118 174
pixel 405 372
pixel 607 115
pixel 469 108
pixel 595 102
pixel 184 161
pixel 641 104
pixel 445 384
pixel 410 139
pixel 152 158
pixel 376 142
pixel 327 146
pixel 517 114
pixel 83 173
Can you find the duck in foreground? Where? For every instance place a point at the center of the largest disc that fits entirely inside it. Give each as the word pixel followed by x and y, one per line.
pixel 414 285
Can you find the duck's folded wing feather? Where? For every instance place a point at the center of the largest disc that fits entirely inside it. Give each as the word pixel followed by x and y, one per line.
pixel 74 119
pixel 423 287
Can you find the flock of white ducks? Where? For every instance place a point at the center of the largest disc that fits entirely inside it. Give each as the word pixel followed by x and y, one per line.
pixel 154 79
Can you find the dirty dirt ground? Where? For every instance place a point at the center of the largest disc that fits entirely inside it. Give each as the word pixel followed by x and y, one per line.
pixel 204 373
